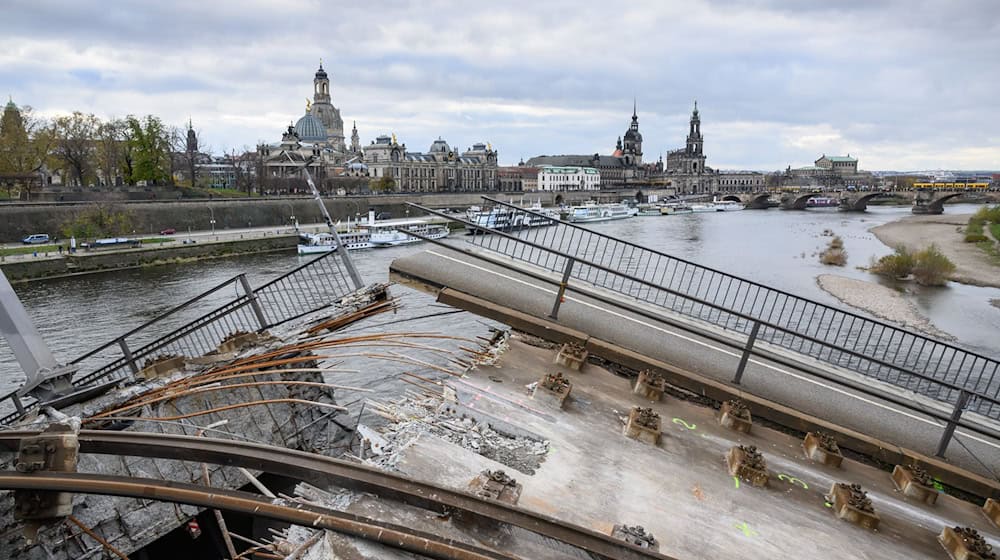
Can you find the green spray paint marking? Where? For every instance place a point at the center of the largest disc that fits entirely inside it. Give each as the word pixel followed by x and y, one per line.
pixel 682 422
pixel 747 531
pixel 736 481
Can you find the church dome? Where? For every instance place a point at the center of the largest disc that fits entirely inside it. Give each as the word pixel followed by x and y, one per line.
pixel 321 74
pixel 439 146
pixel 633 135
pixel 310 129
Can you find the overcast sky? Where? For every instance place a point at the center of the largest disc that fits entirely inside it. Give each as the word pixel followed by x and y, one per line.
pixel 904 84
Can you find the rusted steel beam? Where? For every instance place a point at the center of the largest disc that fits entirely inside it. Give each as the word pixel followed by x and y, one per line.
pixel 311 467
pixel 394 536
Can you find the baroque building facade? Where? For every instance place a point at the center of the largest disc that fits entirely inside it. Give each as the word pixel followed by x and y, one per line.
pixel 317 138
pixel 618 170
pixel 440 169
pixel 686 166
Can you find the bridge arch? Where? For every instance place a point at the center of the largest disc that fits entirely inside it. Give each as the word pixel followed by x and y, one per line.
pixel 935 206
pixel 732 198
pixel 796 202
pixel 859 204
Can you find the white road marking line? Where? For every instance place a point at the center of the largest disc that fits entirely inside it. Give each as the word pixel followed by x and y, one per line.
pixel 930 421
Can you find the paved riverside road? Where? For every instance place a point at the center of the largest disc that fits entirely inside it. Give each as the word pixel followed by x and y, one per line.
pixel 696 348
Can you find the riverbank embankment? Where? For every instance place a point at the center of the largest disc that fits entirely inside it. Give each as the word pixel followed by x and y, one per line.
pixel 120 259
pixel 946 232
pixel 880 301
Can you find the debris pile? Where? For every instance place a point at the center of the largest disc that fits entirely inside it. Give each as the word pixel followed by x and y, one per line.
pixel 752 457
pixel 157 359
pixel 411 418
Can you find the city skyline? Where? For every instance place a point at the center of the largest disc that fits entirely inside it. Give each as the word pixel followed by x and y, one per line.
pixel 900 85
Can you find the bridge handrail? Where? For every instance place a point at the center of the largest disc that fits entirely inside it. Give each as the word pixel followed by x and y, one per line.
pixel 872 391
pixel 934 385
pixel 987 361
pixel 157 319
pixel 706 303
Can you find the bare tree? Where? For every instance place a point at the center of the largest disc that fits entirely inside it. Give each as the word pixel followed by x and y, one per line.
pixel 111 150
pixel 74 145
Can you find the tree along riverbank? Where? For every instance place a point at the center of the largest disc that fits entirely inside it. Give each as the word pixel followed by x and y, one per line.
pixel 946 231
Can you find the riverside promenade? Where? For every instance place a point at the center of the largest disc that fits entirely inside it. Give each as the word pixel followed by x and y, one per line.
pixel 874 418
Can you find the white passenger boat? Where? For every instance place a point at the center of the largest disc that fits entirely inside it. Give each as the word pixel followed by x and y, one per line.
pixel 392 232
pixel 703 207
pixel 505 218
pixel 726 205
pixel 600 213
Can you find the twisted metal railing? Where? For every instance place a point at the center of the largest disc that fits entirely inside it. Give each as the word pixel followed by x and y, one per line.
pixel 926 366
pixel 233 306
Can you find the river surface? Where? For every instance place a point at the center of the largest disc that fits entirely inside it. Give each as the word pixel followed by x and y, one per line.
pixel 774 247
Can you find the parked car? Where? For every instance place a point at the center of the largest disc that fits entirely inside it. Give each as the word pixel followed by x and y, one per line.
pixel 36 238
pixel 168 231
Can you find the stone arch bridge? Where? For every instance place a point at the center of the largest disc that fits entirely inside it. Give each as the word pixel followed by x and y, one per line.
pixel 924 202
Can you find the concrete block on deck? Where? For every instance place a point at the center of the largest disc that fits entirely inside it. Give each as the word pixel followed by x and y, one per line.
pixel 822 448
pixel 572 355
pixel 496 485
pixel 965 543
pixel 736 416
pixel 747 464
pixel 914 482
pixel 552 390
pixel 852 504
pixel 643 424
pixel 650 384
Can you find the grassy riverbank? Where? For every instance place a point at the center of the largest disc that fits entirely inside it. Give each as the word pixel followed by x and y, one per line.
pixel 972 265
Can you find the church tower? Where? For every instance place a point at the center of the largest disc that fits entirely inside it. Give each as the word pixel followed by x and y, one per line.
pixel 192 139
pixel 633 139
pixel 323 109
pixel 355 139
pixel 694 139
pixel 321 86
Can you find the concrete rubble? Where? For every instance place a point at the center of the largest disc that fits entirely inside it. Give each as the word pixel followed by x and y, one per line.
pixel 413 418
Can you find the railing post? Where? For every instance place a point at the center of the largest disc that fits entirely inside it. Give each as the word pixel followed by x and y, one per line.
pixel 254 304
pixel 746 353
pixel 949 430
pixel 17 403
pixel 128 355
pixel 570 261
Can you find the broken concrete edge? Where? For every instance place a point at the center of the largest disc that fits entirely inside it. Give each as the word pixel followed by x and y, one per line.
pixel 881 451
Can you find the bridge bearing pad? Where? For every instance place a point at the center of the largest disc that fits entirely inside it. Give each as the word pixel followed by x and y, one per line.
pixel 822 448
pixel 55 449
pixel 736 416
pixel 747 464
pixel 643 424
pixel 636 535
pixel 965 543
pixel 991 509
pixel 162 367
pixel 572 355
pixel 650 385
pixel 496 485
pixel 852 504
pixel 552 390
pixel 914 482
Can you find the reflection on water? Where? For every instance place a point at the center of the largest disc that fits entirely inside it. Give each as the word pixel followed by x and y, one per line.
pixel 773 247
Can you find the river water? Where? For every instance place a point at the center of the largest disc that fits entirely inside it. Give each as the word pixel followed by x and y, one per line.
pixel 774 247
